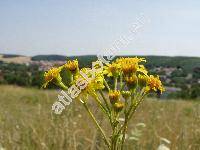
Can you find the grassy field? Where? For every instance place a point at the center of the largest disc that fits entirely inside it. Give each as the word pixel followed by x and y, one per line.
pixel 27 122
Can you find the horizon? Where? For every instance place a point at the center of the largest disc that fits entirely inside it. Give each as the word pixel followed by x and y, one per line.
pixel 95 55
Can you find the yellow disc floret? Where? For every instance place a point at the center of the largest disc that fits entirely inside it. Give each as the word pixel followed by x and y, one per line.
pixel 52 75
pixel 112 69
pixel 130 65
pixel 154 84
pixel 72 65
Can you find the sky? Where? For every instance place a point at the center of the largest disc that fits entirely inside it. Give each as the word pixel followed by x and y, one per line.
pixel 172 27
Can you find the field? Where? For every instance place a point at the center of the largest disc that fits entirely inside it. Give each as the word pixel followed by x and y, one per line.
pixel 18 59
pixel 27 122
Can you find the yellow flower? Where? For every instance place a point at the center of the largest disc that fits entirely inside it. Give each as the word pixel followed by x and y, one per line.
pixel 52 75
pixel 119 106
pixel 114 96
pixel 142 69
pixel 130 65
pixel 98 82
pixel 94 82
pixel 131 81
pixel 112 69
pixel 142 80
pixel 154 84
pixel 72 65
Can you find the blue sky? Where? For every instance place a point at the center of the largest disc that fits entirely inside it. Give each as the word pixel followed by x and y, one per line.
pixel 89 26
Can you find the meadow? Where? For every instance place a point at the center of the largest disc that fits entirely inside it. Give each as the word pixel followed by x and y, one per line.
pixel 27 123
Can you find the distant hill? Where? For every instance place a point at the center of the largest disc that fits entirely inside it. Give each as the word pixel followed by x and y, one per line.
pixel 49 58
pixel 187 63
pixel 10 55
pixel 83 60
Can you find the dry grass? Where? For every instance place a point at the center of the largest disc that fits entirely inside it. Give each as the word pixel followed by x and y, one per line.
pixel 26 122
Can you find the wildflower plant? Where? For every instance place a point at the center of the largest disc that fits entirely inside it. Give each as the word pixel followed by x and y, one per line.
pixel 118 89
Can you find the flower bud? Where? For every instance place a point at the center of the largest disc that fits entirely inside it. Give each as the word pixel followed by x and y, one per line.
pixel 118 106
pixel 142 80
pixel 126 94
pixel 114 96
pixel 132 81
pixel 72 66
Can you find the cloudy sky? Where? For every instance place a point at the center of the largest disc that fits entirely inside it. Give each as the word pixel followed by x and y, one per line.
pixel 88 26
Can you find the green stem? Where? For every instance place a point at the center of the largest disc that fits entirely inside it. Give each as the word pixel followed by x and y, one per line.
pixel 105 100
pixel 98 126
pixel 114 137
pixel 128 116
pixel 106 84
pixel 100 104
pixel 135 107
pixel 61 84
pixel 115 83
pixel 124 133
pixel 125 124
pixel 121 81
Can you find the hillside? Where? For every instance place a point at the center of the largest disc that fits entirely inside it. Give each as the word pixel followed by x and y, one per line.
pixel 15 59
pixel 187 63
pixel 180 74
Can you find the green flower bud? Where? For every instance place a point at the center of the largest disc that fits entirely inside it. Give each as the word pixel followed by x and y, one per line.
pixel 126 94
pixel 119 106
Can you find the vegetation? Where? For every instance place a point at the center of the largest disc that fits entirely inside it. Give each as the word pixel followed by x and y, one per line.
pixel 21 74
pixel 31 75
pixel 187 63
pixel 26 122
pixel 49 57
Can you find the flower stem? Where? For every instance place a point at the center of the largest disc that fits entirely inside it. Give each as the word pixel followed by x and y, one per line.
pixel 105 100
pixel 106 84
pixel 98 126
pixel 121 81
pixel 100 104
pixel 115 83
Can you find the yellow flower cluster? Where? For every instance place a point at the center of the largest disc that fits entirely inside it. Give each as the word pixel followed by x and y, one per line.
pixel 131 71
pixel 126 81
pixel 134 74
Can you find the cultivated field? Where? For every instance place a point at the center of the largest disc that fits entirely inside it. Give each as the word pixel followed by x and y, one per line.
pixel 26 122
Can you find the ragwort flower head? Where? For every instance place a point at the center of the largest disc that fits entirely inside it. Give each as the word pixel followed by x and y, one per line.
pixel 130 65
pixel 132 81
pixel 118 106
pixel 154 84
pixel 52 75
pixel 93 81
pixel 142 80
pixel 72 65
pixel 114 96
pixel 112 70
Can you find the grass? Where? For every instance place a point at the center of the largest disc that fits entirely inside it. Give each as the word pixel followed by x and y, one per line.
pixel 27 122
